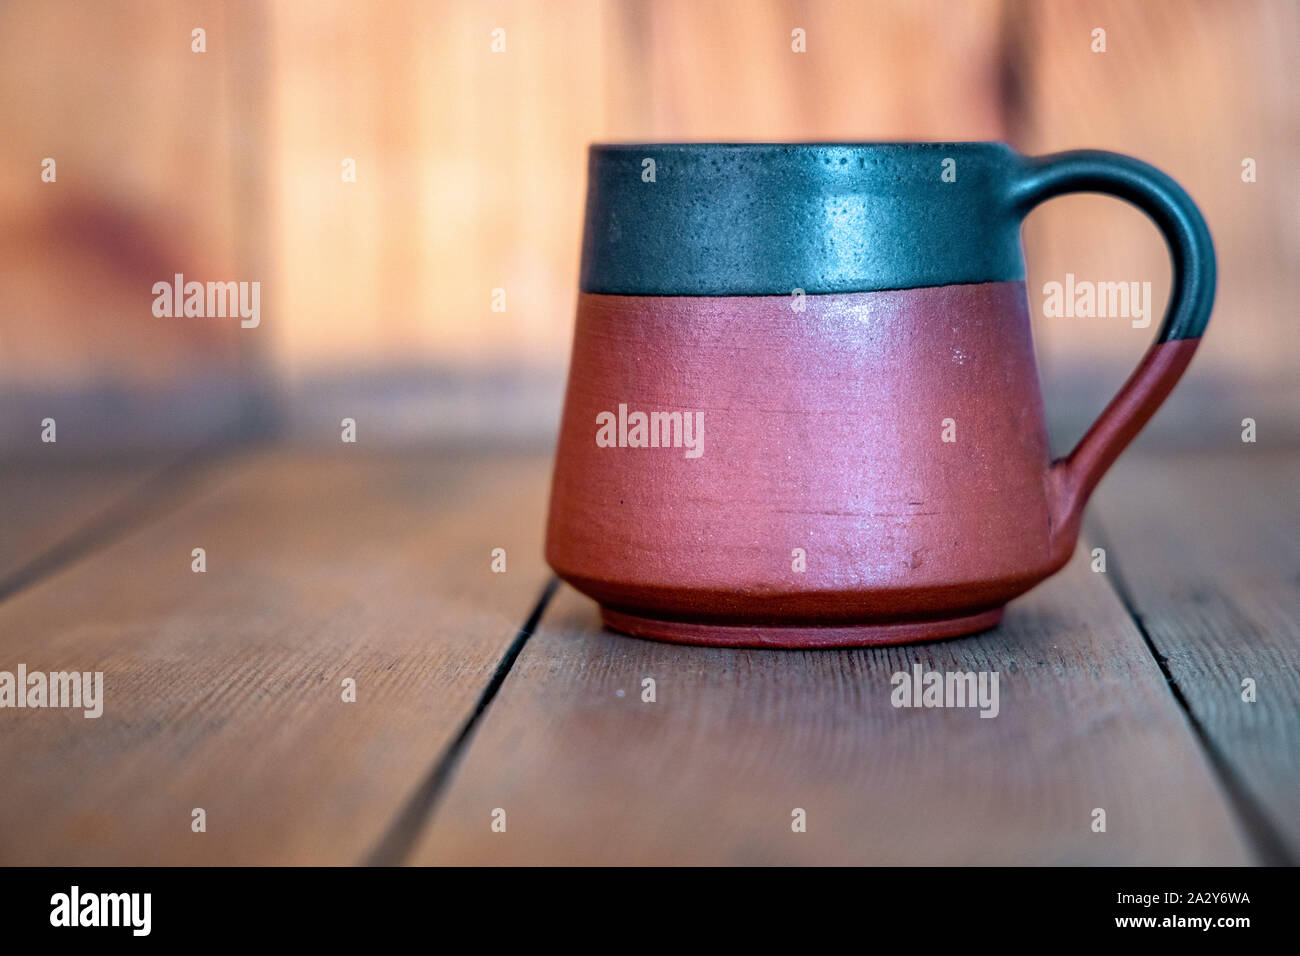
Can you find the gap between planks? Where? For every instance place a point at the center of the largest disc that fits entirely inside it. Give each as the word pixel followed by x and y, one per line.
pixel 402 834
pixel 1206 554
pixel 223 687
pixel 1268 842
pixel 62 527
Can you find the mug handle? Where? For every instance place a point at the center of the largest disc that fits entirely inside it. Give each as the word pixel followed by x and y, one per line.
pixel 1072 479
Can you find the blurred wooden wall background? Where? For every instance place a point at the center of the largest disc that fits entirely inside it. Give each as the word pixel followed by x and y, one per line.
pixel 376 295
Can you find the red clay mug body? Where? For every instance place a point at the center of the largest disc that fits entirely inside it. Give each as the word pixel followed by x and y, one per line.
pixel 782 430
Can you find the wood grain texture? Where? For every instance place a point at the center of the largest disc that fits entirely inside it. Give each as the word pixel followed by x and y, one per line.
pixel 223 689
pixel 1208 550
pixel 47 504
pixel 711 772
pixel 1194 87
pixel 469 178
pixel 151 142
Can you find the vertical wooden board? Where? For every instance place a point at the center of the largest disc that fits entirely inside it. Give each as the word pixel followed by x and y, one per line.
pixel 1194 87
pixel 737 740
pixel 148 139
pixel 469 177
pixel 223 690
pixel 728 70
pixel 1208 550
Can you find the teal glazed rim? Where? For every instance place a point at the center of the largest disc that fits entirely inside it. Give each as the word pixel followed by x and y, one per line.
pixel 752 219
pixel 765 219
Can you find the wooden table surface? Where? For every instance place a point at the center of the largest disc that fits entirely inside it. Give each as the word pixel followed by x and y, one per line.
pixel 481 692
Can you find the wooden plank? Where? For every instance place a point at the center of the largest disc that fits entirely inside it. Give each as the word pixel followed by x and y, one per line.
pixel 1208 550
pixel 52 504
pixel 153 146
pixel 727 70
pixel 711 772
pixel 448 205
pixel 223 689
pixel 1171 70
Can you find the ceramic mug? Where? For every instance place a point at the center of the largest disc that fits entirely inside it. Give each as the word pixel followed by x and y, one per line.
pixel 803 409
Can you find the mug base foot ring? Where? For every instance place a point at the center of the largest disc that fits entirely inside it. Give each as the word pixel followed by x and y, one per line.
pixel 799 636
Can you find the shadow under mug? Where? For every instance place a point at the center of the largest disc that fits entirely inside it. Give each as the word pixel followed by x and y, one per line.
pixel 802 407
